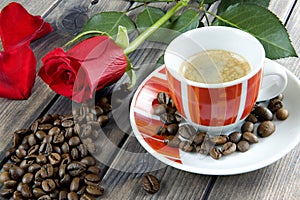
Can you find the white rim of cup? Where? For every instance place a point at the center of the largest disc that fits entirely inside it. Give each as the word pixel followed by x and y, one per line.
pixel 260 49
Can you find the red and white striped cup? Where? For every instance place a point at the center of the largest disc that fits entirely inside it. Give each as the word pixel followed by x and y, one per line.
pixel 222 106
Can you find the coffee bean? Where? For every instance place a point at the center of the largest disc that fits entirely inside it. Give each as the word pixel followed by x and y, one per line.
pixel 34 126
pixel 26 191
pixel 251 118
pixel 219 139
pixel 10 184
pixel 172 141
pixel 38 192
pixel 47 119
pixel 187 131
pixel 150 184
pixel 172 129
pixel 262 113
pixel 27 178
pixel 45 127
pixel 198 138
pixel 243 146
pixel 16 172
pixel 103 120
pixel 17 195
pixel 178 117
pixel 186 146
pixel 160 109
pixel 54 194
pixel 62 195
pixel 92 178
pixel 31 140
pixel 228 148
pixel 34 167
pixel 215 153
pixel 74 141
pixel 33 150
pixel 66 159
pixel 72 196
pixel 10 152
pixel 41 159
pixel 47 171
pixel 75 184
pixel 6 193
pixel 205 147
pixel 4 176
pixel 76 168
pixel 94 170
pixel 274 105
pixel 65 147
pixel 44 197
pixel 7 166
pixel 54 158
pixel 16 140
pixel 266 128
pixel 47 139
pixel 66 180
pixel 82 150
pixel 74 153
pixel 69 132
pixel 67 123
pixel 86 196
pixel 48 185
pixel 40 135
pixel 161 130
pixel 163 98
pixel 20 153
pixel 89 161
pixel 167 118
pixel 250 137
pixel 235 137
pixel 247 127
pixel 58 137
pixel 282 114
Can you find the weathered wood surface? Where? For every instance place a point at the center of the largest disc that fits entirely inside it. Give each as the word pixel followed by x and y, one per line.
pixel 280 180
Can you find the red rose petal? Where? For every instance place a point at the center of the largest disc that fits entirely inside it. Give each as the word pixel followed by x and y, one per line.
pixel 18 27
pixel 17 73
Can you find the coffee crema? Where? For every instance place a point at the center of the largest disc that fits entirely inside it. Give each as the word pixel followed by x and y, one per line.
pixel 214 66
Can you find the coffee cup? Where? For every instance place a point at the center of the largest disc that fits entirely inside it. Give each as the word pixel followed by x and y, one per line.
pixel 221 106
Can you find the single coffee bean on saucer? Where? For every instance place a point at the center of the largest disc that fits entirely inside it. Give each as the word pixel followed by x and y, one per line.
pixel 215 153
pixel 186 146
pixel 235 137
pixel 250 137
pixel 266 128
pixel 150 184
pixel 172 141
pixel 219 139
pixel 282 114
pixel 228 148
pixel 172 129
pixel 243 146
pixel 262 113
pixel 187 131
pixel 167 118
pixel 247 127
pixel 274 105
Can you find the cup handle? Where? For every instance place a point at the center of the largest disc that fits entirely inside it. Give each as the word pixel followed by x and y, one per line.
pixel 274 80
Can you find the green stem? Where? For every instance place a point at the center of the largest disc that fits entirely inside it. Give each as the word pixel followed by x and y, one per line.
pixel 83 34
pixel 144 35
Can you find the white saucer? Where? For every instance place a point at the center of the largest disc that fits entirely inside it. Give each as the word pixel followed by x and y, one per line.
pixel 264 153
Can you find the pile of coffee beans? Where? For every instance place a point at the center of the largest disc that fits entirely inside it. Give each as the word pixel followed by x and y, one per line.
pixel 49 161
pixel 88 120
pixel 178 133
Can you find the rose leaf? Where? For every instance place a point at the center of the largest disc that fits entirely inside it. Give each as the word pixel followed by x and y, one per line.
pixel 109 22
pixel 261 23
pixel 225 4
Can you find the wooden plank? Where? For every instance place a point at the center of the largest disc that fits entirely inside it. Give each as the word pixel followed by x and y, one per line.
pixel 280 180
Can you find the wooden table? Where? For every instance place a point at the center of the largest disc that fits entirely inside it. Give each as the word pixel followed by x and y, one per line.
pixel 280 180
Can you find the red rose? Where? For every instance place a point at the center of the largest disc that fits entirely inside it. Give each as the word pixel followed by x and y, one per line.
pixel 17 62
pixel 92 64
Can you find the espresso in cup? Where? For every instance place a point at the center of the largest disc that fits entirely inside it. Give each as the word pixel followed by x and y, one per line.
pixel 215 66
